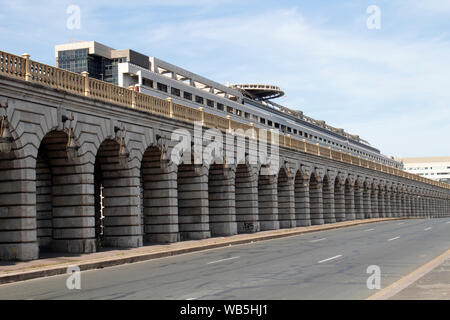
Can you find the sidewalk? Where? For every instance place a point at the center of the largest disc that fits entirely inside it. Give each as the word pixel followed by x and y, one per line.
pixel 429 282
pixel 53 264
pixel 435 285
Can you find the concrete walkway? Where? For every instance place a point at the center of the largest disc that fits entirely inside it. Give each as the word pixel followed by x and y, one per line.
pixel 54 264
pixel 435 285
pixel 429 282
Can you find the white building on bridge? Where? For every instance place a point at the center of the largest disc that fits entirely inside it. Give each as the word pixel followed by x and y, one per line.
pixel 436 168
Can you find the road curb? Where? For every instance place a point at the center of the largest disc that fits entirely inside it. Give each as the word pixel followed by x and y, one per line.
pixel 115 261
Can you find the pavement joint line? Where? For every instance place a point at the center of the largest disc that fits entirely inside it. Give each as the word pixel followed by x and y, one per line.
pixel 329 259
pixel 317 240
pixel 409 279
pixel 395 238
pixel 33 272
pixel 217 261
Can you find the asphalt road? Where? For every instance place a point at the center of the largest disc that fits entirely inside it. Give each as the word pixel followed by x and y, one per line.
pixel 323 265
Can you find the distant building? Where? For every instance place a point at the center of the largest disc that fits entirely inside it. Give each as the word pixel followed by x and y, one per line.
pixel 97 59
pixel 436 168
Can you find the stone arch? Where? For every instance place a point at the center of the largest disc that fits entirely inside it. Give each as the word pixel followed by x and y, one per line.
pixel 286 202
pixel 159 198
pixel 117 198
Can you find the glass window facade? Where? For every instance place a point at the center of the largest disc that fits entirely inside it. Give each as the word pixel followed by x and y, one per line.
pixel 80 60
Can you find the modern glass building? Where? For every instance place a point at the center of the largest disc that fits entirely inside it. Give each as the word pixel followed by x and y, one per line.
pixel 98 60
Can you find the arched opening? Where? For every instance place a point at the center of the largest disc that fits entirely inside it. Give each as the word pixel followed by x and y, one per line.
pixel 64 198
pixel 117 199
pixel 302 210
pixel 193 204
pixel 221 198
pixel 328 201
pixel 286 204
pixel 159 199
pixel 267 202
pixel 349 201
pixel 246 190
pixel 315 201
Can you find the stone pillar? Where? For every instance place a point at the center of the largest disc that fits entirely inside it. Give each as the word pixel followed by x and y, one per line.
pixel 286 201
pixel 374 203
pixel 246 189
pixel 359 201
pixel 221 198
pixel 349 202
pixel 328 202
pixel 121 189
pixel 268 202
pixel 316 203
pixel 69 212
pixel 408 205
pixel 367 202
pixel 381 208
pixel 73 214
pixel 396 205
pixel 18 238
pixel 302 209
pixel 160 201
pixel 339 201
pixel 193 206
pixel 387 204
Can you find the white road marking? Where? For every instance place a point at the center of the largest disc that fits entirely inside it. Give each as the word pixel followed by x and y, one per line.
pixel 400 223
pixel 369 229
pixel 394 238
pixel 426 229
pixel 325 260
pixel 191 298
pixel 448 221
pixel 222 260
pixel 317 240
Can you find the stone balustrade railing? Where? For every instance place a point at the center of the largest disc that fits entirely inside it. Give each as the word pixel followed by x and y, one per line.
pixel 24 68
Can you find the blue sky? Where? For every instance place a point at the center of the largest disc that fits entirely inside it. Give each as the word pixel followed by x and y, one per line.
pixel 390 86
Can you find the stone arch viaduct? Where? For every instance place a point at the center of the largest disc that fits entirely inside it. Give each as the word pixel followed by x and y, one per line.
pixel 68 185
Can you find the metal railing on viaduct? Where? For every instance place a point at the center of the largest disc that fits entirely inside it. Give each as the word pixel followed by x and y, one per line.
pixel 86 164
